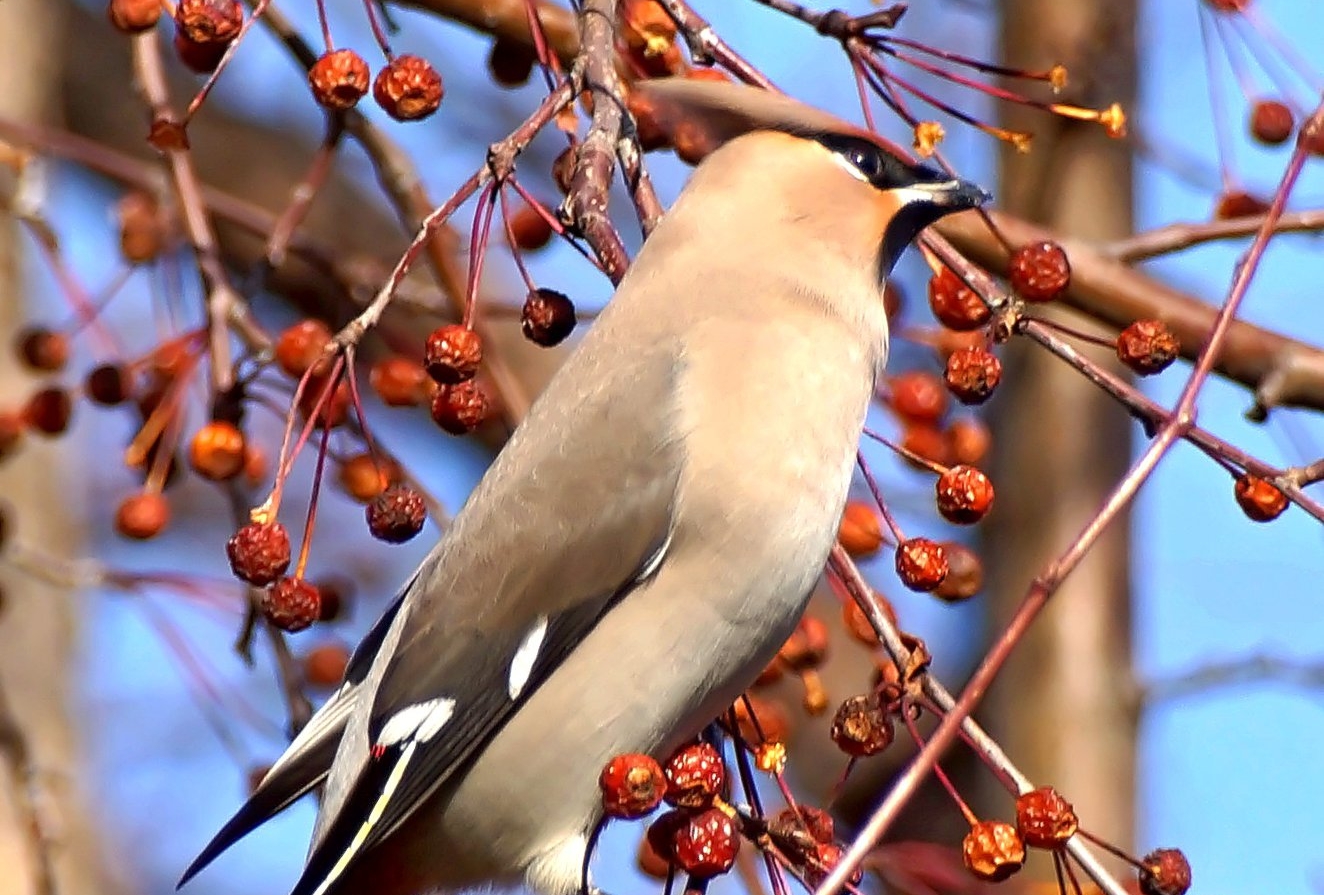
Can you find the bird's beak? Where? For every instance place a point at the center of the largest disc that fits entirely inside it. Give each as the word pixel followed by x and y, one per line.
pixel 954 194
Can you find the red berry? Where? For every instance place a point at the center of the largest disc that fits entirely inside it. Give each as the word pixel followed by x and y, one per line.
pixel 335 594
pixel 1238 204
pixel 461 408
pixel 695 776
pixel 645 27
pixel 921 564
pixel 530 230
pixel 510 62
pixel 1044 819
pixel 133 16
pixel 954 304
pixel 547 317
pixel 1271 122
pixel 398 381
pixel 632 785
pixel 291 604
pixel 826 856
pixel 339 79
pixel 918 397
pixel 259 553
pixel 816 822
pixel 861 727
pixel 860 531
pixel 773 725
pixel 661 834
pixel 43 349
pixel 808 644
pixel 1039 271
pixel 1260 499
pixel 363 478
pixel 1148 347
pixel 217 451
pixel 408 88
pixel 209 22
pixel 397 514
pixel 1167 872
pixel 328 403
pixel 142 232
pixel 857 624
pixel 965 574
pixel 142 516
pixel 301 346
pixel 925 441
pixel 107 385
pixel 967 441
pixel 964 495
pixel 992 850
pixel 453 353
pixel 48 411
pixel 324 666
pixel 706 844
pixel 12 427
pixel 972 374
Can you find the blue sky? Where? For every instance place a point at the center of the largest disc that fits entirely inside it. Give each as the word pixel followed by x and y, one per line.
pixel 1233 776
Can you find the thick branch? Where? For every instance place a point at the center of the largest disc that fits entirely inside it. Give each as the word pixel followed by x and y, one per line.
pixel 1280 371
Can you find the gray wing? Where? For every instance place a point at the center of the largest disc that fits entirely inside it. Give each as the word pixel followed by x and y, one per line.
pixel 574 513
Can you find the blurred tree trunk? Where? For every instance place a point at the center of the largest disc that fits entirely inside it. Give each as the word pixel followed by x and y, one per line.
pixel 1062 707
pixel 48 842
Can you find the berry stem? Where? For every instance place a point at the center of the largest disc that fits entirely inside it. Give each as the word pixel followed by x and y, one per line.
pixel 306 544
pixel 970 817
pixel 378 32
pixel 204 91
pixel 325 23
pixel 478 239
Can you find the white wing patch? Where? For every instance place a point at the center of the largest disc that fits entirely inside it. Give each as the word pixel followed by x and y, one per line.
pixel 654 562
pixel 521 666
pixel 421 721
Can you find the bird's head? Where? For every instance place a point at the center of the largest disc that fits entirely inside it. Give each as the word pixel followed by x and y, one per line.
pixel 839 186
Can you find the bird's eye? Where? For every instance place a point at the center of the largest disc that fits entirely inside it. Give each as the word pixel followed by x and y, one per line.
pixel 865 159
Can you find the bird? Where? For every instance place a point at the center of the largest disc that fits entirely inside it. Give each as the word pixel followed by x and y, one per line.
pixel 648 536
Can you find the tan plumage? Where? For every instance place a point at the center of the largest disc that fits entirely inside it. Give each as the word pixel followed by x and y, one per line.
pixel 644 542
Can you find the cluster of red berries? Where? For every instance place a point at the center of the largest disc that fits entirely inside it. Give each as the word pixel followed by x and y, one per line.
pixel 994 850
pixel 964 495
pixel 407 88
pixel 701 835
pixel 920 403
